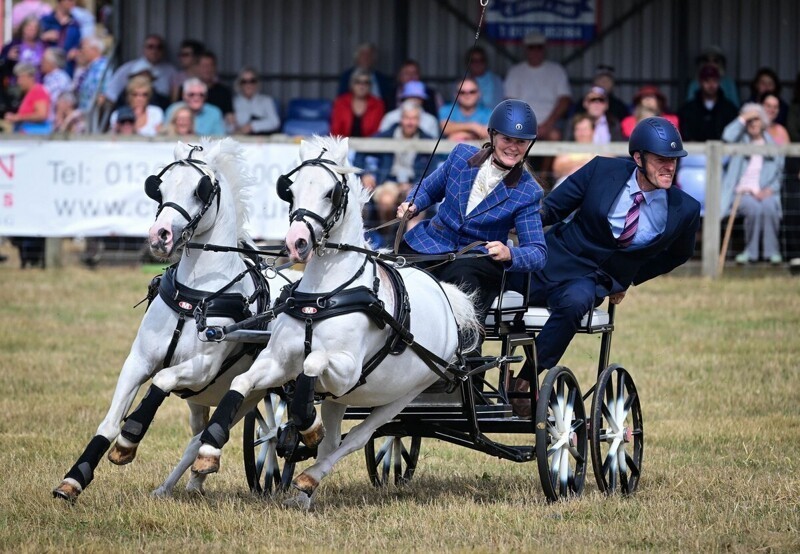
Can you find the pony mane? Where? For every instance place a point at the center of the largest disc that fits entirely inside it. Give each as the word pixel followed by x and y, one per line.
pixel 226 156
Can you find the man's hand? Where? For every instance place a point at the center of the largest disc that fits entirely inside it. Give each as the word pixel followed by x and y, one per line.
pixel 617 297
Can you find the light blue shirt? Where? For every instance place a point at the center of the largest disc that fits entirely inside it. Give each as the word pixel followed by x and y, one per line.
pixel 652 212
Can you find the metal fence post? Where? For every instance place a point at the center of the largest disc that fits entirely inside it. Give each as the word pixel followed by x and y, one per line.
pixel 712 217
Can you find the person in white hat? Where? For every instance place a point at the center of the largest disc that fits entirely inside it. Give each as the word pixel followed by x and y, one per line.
pixel 543 84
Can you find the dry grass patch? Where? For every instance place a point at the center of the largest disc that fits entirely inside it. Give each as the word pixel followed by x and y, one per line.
pixel 716 365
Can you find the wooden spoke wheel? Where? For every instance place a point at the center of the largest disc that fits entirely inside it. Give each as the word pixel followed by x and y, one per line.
pixel 617 438
pixel 266 469
pixel 561 435
pixel 387 456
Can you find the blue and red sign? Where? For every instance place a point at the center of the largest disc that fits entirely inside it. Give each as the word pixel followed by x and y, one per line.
pixel 572 21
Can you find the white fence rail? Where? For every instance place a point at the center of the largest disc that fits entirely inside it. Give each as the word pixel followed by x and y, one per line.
pixel 82 186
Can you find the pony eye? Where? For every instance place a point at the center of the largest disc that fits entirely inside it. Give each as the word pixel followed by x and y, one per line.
pixel 329 194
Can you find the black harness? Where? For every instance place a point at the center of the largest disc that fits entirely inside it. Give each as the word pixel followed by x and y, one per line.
pixel 207 189
pixel 198 304
pixel 313 307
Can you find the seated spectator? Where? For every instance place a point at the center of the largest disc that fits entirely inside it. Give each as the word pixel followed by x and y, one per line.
pixel 379 210
pixel 649 101
pixel 54 78
pixel 256 113
pixel 142 68
pixel 208 120
pixel 606 126
pixel 413 91
pixel 33 116
pixel 68 118
pixel 85 18
pixel 59 28
pixel 123 122
pixel 365 58
pixel 218 94
pixel 152 58
pixel 582 131
pixel 25 47
pixel 357 113
pixel 403 167
pixel 468 120
pixel 180 123
pixel 757 179
pixel 766 80
pixel 489 83
pixel 772 106
pixel 543 84
pixel 147 118
pixel 713 55
pixel 188 55
pixel 706 115
pixel 410 72
pixel 89 81
pixel 604 77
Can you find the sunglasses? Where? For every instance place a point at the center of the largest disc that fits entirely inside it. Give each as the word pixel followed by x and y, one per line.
pixel 473 91
pixel 598 100
pixel 362 81
pixel 154 46
pixel 248 81
pixel 195 95
pixel 137 94
pixel 186 54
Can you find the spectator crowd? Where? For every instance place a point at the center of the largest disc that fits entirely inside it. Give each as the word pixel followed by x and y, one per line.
pixel 57 78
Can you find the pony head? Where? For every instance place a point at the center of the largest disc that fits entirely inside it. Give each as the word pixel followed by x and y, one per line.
pixel 204 189
pixel 325 198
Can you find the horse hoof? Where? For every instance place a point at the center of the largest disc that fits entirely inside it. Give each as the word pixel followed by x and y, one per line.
pixel 312 436
pixel 305 483
pixel 122 455
pixel 68 490
pixel 205 464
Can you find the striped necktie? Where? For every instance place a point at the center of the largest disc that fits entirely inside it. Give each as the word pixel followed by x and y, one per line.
pixel 631 222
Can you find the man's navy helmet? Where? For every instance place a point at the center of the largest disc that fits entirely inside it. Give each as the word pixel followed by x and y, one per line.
pixel 515 119
pixel 656 135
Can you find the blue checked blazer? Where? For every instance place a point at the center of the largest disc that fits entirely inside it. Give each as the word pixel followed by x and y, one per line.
pixel 514 202
pixel 584 244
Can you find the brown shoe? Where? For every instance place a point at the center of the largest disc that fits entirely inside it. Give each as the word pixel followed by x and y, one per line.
pixel 520 406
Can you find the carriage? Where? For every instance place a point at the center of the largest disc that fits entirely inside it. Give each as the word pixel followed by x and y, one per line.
pixel 564 433
pixel 413 322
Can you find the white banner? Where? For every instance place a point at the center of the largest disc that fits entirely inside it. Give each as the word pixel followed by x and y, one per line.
pixel 78 189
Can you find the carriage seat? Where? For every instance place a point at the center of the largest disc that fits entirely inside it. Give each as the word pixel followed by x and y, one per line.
pixel 535 317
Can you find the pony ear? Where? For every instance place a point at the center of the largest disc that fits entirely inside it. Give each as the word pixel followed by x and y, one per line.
pixel 305 150
pixel 181 151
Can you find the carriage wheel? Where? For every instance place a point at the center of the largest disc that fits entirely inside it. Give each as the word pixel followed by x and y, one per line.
pixel 617 437
pixel 394 453
pixel 260 446
pixel 561 441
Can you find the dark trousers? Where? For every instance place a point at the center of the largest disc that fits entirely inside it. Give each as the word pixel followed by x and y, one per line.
pixel 568 303
pixel 483 275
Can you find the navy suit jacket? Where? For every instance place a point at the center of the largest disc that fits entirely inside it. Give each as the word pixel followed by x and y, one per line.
pixel 513 203
pixel 585 246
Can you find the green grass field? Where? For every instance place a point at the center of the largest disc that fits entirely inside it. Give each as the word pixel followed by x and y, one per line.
pixel 716 364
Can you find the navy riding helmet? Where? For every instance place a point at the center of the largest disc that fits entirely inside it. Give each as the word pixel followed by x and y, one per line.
pixel 515 119
pixel 656 135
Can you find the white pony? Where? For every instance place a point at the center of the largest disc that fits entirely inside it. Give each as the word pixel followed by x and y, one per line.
pixel 327 355
pixel 201 195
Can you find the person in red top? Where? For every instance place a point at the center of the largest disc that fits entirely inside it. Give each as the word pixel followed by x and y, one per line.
pixel 648 101
pixel 357 113
pixel 34 110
